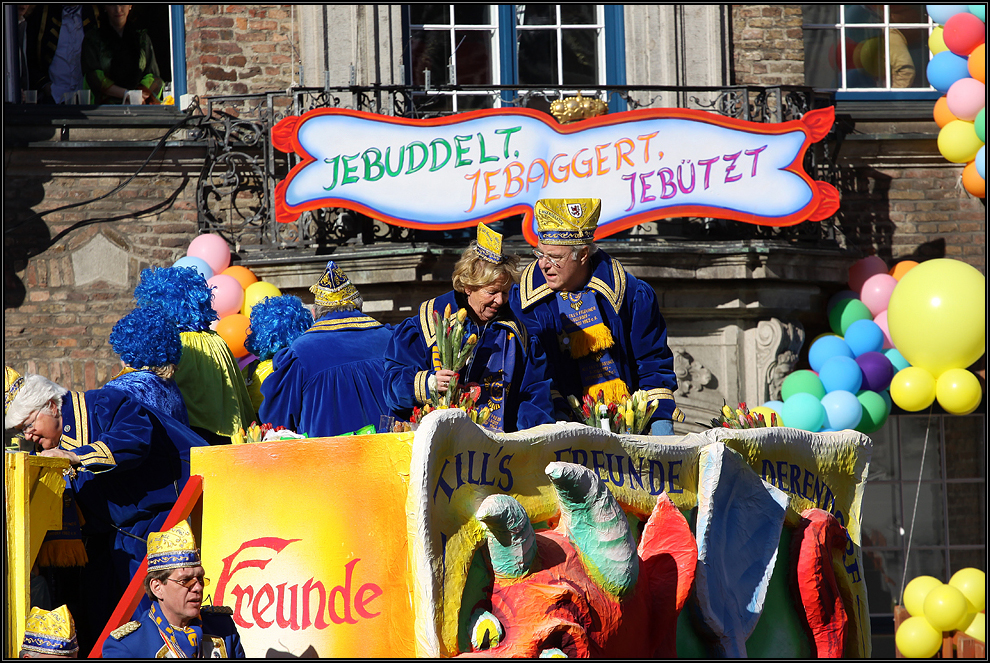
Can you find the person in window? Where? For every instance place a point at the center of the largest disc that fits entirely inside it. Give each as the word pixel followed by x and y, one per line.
pixel 508 367
pixel 55 35
pixel 118 57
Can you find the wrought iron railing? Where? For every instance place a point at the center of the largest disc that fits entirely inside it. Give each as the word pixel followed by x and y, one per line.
pixel 235 195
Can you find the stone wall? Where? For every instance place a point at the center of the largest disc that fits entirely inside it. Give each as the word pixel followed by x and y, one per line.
pixel 241 49
pixel 767 45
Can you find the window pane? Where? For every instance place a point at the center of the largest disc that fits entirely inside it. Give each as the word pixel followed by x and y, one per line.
pixel 466 102
pixel 916 43
pixel 577 14
pixel 538 57
pixel 929 523
pixel 913 431
pixel 882 515
pixel 867 68
pixel 965 448
pixel 966 559
pixel 967 504
pixel 536 15
pixel 882 571
pixel 430 50
pixel 580 56
pixel 815 14
pixel 823 60
pixel 908 14
pixel 929 562
pixel 472 14
pixel 883 461
pixel 432 14
pixel 473 57
pixel 864 14
pixel 435 103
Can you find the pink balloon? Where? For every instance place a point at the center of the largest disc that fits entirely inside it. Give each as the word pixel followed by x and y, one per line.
pixel 881 321
pixel 213 249
pixel 228 295
pixel 876 292
pixel 863 269
pixel 965 98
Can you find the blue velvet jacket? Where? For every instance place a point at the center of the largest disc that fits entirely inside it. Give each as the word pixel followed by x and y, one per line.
pixel 142 639
pixel 409 363
pixel 629 308
pixel 329 381
pixel 152 391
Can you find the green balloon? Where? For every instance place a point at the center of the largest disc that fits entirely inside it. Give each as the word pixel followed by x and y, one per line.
pixel 847 312
pixel 802 382
pixel 875 411
pixel 980 124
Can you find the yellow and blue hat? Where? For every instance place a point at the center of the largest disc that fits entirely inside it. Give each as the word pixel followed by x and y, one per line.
pixel 334 289
pixel 12 383
pixel 173 549
pixel 567 221
pixel 489 244
pixel 50 632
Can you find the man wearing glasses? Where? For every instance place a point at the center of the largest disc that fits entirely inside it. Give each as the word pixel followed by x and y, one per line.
pixel 601 327
pixel 177 625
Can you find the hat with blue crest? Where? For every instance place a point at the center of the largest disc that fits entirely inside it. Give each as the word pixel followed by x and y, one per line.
pixel 334 290
pixel 50 632
pixel 567 221
pixel 172 549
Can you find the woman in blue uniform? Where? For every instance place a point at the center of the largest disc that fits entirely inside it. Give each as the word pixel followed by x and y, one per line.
pixel 508 365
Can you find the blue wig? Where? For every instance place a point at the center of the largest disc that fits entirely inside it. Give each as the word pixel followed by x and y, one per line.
pixel 145 337
pixel 182 293
pixel 275 323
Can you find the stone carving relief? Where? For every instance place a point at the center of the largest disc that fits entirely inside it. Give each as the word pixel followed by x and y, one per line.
pixel 778 346
pixel 691 375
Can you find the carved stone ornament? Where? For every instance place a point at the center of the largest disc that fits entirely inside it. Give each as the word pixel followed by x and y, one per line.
pixel 577 108
pixel 691 375
pixel 778 346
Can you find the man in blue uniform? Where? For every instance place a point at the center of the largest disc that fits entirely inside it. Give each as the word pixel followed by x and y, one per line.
pixel 601 327
pixel 177 625
pixel 329 381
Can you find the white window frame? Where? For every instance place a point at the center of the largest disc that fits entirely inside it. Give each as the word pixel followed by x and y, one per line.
pixel 558 26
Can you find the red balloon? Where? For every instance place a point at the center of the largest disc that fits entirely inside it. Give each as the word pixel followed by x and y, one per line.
pixel 964 32
pixel 863 269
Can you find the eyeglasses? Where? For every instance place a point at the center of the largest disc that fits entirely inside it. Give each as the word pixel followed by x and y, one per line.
pixel 31 428
pixel 540 255
pixel 189 583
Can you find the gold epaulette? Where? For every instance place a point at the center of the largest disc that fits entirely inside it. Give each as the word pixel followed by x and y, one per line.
pixel 125 630
pixel 217 609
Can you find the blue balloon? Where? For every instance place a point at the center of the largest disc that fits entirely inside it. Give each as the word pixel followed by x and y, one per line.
pixel 198 264
pixel 825 348
pixel 842 410
pixel 774 405
pixel 946 68
pixel 981 162
pixel 942 13
pixel 840 296
pixel 803 411
pixel 864 336
pixel 979 11
pixel 841 374
pixel 897 359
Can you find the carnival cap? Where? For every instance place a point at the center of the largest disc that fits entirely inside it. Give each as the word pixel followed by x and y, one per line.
pixel 174 549
pixel 12 383
pixel 567 221
pixel 334 290
pixel 50 632
pixel 489 244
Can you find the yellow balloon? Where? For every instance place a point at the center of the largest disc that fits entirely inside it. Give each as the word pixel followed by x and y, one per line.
pixel 972 583
pixel 958 142
pixel 936 42
pixel 912 389
pixel 978 627
pixel 256 292
pixel 937 315
pixel 916 638
pixel 945 608
pixel 916 592
pixel 958 391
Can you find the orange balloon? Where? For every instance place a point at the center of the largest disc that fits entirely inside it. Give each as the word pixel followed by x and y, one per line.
pixel 233 330
pixel 942 113
pixel 902 268
pixel 978 63
pixel 972 181
pixel 246 277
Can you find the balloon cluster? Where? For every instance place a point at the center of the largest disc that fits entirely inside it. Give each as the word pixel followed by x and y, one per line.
pixel 903 336
pixel 235 289
pixel 958 70
pixel 936 607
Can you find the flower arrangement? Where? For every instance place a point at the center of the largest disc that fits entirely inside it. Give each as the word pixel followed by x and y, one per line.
pixel 454 351
pixel 468 402
pixel 741 417
pixel 264 433
pixel 627 416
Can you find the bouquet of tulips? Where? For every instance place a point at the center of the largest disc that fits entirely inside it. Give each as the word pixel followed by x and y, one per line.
pixel 741 417
pixel 467 402
pixel 454 351
pixel 256 433
pixel 628 416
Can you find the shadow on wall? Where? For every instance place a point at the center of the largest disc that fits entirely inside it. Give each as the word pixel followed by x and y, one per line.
pixel 25 234
pixel 864 217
